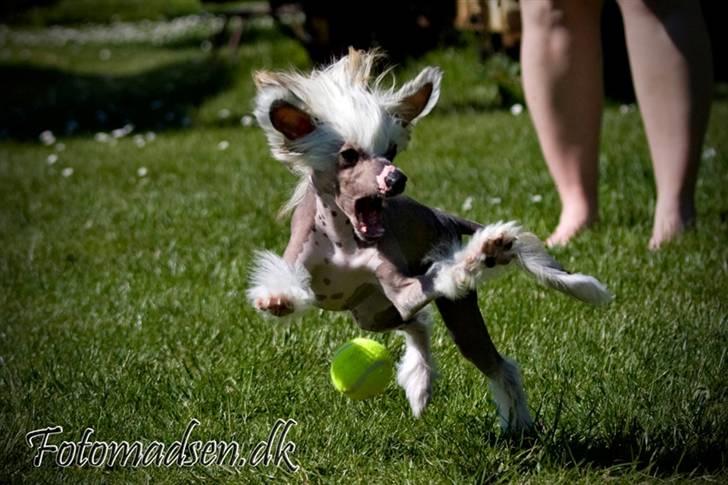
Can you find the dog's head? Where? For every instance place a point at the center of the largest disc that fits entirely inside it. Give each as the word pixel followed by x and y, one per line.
pixel 341 128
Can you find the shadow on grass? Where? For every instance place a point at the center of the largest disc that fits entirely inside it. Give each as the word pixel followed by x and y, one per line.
pixel 661 455
pixel 41 98
pixel 630 450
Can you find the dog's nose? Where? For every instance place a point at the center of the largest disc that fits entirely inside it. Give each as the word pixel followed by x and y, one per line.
pixel 395 181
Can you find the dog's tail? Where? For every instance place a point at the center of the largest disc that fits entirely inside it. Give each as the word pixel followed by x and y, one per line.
pixel 537 262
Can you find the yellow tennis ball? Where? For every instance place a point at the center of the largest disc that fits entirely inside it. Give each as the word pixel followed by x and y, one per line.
pixel 361 368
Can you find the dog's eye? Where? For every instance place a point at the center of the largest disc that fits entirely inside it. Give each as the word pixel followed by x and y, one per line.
pixel 391 152
pixel 349 157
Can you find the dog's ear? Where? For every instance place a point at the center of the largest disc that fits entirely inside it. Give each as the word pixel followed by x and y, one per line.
pixel 416 98
pixel 293 122
pixel 277 108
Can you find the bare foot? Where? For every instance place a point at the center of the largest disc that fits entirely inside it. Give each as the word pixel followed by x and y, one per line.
pixel 670 222
pixel 571 223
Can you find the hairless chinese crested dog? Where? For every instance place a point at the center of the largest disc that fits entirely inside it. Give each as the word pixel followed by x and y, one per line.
pixel 357 244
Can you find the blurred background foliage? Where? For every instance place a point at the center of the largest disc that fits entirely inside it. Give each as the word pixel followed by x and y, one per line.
pixel 85 66
pixel 72 12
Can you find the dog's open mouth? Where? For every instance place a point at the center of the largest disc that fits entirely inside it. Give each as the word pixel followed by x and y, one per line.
pixel 369 221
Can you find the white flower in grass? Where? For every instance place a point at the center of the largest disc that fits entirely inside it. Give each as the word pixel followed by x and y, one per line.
pixel 139 141
pixel 150 136
pixel 52 158
pixel 626 108
pixel 223 145
pixel 494 200
pixel 223 114
pixel 536 198
pixel 516 109
pixel 102 137
pixel 142 171
pixel 47 137
pixel 67 172
pixel 709 152
pixel 246 120
pixel 467 204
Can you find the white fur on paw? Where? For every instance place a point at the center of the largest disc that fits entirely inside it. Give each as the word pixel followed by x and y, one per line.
pixel 451 279
pixel 491 246
pixel 483 257
pixel 277 288
pixel 510 399
pixel 276 305
pixel 414 375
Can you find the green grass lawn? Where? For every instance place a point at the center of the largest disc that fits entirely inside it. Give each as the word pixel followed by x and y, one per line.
pixel 123 270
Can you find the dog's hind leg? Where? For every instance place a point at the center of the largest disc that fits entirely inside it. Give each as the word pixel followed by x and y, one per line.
pixel 467 328
pixel 415 370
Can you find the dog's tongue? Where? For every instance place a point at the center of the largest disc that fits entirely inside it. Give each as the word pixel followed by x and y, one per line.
pixel 369 221
pixel 370 224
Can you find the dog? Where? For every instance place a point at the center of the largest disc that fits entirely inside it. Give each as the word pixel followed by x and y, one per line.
pixel 357 244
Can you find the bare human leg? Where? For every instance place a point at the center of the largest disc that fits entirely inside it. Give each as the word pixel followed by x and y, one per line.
pixel 669 54
pixel 562 78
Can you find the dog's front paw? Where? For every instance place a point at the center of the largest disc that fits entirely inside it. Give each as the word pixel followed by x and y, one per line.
pixel 492 246
pixel 278 288
pixel 278 306
pixel 497 250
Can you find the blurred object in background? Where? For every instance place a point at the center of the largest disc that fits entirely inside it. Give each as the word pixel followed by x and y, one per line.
pixel 403 29
pixel 236 16
pixel 497 21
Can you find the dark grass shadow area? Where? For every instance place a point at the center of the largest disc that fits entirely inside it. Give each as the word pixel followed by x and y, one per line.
pixel 634 449
pixel 41 98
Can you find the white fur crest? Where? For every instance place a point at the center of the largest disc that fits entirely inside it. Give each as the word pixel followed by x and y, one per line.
pixel 345 105
pixel 273 277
